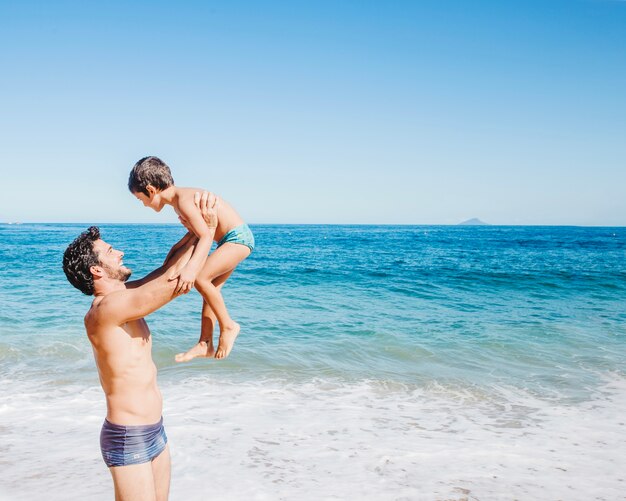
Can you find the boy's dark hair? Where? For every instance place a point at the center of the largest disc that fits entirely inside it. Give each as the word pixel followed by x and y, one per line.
pixel 149 170
pixel 79 257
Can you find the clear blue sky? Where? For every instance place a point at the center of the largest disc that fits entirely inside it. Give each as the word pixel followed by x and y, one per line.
pixel 420 112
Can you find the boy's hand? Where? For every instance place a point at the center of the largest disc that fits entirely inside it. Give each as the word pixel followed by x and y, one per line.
pixel 186 279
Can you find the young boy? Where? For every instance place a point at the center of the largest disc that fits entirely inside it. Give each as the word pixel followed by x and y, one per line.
pixel 151 182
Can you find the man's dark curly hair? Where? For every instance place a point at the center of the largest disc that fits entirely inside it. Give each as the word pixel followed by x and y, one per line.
pixel 79 257
pixel 149 170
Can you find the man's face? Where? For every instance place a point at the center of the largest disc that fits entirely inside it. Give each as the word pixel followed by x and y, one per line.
pixel 152 201
pixel 111 261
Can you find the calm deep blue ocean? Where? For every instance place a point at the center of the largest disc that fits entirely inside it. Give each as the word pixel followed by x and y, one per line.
pixel 498 326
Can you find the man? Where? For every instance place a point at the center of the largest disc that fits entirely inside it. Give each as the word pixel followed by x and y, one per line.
pixel 132 440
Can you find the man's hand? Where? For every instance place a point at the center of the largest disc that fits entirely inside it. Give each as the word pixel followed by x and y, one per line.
pixel 208 204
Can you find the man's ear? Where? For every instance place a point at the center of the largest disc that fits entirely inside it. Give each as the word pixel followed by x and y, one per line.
pixel 151 190
pixel 96 271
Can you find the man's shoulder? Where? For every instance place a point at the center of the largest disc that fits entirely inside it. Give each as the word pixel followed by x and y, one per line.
pixel 103 309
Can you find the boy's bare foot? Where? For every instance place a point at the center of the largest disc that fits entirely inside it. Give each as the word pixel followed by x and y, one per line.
pixel 202 349
pixel 227 340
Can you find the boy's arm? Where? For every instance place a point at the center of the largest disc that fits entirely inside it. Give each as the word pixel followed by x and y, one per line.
pixel 177 246
pixel 196 221
pixel 209 200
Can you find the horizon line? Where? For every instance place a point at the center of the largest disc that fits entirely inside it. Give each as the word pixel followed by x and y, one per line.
pixel 570 225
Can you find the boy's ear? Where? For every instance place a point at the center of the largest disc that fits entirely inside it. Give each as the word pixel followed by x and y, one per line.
pixel 151 190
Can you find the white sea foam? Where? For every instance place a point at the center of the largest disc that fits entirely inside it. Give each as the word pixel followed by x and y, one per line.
pixel 326 439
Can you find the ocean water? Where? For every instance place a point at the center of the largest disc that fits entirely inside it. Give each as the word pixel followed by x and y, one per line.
pixel 374 362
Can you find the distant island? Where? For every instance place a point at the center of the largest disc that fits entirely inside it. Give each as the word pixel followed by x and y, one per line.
pixel 474 222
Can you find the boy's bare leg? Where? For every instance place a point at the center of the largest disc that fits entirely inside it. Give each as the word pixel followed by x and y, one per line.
pixel 229 329
pixel 205 348
pixel 222 261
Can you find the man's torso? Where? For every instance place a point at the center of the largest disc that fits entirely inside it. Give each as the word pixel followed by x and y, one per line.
pixel 123 355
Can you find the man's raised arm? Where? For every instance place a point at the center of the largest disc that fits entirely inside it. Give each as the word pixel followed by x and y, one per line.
pixel 158 288
pixel 170 264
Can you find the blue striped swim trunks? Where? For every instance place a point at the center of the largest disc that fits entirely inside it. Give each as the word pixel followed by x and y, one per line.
pixel 239 235
pixel 124 445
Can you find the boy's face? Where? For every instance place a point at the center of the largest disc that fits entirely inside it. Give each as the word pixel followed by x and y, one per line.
pixel 153 201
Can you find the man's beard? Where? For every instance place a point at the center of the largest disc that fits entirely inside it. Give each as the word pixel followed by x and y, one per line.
pixel 122 273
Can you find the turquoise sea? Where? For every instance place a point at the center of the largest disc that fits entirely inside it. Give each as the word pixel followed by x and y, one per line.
pixel 374 362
